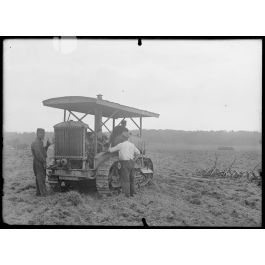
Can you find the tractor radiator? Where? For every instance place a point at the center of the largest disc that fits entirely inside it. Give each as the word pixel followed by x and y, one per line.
pixel 69 142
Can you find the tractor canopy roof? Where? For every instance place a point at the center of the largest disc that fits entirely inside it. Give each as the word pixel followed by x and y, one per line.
pixel 89 105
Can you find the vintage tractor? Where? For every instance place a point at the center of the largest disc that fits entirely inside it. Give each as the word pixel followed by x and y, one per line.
pixel 80 151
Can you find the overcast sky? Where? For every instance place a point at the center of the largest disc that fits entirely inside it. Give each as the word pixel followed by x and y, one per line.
pixel 193 85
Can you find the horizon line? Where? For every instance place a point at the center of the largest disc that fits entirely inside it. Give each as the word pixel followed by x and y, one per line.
pixel 155 130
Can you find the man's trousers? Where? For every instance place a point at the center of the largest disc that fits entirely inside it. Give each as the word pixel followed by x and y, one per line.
pixel 127 177
pixel 40 174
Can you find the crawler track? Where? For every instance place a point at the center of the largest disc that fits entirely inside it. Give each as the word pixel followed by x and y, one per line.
pixel 103 177
pixel 108 178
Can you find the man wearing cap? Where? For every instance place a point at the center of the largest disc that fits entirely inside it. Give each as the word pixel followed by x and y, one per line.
pixel 39 153
pixel 116 135
pixel 127 151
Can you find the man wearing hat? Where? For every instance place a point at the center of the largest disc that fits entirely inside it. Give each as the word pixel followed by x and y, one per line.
pixel 39 153
pixel 127 151
pixel 116 135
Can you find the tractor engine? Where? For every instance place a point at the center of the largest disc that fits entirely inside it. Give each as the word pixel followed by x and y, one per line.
pixel 70 145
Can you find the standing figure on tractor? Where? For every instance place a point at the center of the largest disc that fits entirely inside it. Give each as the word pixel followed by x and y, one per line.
pixel 116 136
pixel 127 153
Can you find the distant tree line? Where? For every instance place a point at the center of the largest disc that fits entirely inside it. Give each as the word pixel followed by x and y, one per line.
pixel 225 138
pixel 221 138
pixel 22 140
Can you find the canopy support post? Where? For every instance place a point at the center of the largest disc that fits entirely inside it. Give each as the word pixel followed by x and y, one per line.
pixel 113 123
pixel 98 127
pixel 141 126
pixel 64 115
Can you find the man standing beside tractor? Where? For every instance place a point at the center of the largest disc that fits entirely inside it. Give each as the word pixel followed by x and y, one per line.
pixel 127 151
pixel 39 153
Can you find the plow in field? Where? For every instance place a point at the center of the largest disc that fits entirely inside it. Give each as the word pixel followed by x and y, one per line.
pixel 253 175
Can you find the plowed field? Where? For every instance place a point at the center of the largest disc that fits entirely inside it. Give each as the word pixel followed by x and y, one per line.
pixel 178 196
